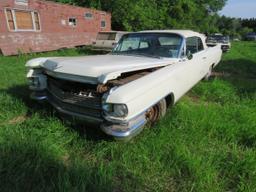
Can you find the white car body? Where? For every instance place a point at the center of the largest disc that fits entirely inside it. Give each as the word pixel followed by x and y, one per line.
pixel 170 77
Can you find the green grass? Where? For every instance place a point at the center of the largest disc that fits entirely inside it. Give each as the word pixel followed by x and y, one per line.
pixel 207 142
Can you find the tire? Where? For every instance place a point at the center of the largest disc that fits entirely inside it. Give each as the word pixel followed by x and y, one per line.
pixel 208 75
pixel 156 112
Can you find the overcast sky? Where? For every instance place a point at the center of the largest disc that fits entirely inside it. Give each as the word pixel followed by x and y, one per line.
pixel 240 8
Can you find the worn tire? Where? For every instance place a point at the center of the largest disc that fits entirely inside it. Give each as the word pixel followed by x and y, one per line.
pixel 156 112
pixel 208 75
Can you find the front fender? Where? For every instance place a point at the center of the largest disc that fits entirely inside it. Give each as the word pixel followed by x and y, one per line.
pixel 141 94
pixel 36 63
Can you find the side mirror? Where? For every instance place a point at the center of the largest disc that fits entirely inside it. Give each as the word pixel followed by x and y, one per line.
pixel 189 55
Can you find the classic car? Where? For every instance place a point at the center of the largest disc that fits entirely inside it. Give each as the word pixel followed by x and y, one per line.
pixel 215 39
pixel 146 73
pixel 107 40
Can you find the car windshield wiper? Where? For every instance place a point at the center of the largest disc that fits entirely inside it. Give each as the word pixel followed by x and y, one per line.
pixel 136 54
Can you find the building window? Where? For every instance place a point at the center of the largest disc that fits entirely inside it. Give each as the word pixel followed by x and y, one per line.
pixel 24 20
pixel 37 21
pixel 72 21
pixel 21 2
pixel 88 15
pixel 10 20
pixel 20 20
pixel 103 24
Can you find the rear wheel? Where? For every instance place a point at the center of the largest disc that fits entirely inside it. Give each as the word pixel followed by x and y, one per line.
pixel 156 112
pixel 209 74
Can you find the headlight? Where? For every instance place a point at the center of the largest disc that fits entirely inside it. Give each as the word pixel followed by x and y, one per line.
pixel 120 110
pixel 34 81
pixel 115 110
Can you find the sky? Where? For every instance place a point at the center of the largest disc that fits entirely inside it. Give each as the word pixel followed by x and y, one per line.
pixel 240 8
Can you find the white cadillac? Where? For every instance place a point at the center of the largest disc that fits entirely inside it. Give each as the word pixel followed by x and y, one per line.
pixel 146 72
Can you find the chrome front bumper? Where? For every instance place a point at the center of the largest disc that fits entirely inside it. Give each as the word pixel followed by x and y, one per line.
pixel 121 131
pixel 126 131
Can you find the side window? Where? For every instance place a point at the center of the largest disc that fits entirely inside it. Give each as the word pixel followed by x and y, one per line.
pixel 191 43
pixel 194 44
pixel 112 36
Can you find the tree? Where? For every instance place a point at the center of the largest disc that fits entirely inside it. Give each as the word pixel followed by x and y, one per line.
pixel 134 15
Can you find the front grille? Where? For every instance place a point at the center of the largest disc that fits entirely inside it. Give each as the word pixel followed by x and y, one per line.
pixel 75 97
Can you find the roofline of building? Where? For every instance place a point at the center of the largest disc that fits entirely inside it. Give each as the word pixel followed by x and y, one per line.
pixel 76 6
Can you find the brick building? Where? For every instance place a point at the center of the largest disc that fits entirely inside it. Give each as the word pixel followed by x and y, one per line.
pixel 39 25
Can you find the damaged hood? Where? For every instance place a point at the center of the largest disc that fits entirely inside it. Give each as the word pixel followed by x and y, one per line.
pixel 99 68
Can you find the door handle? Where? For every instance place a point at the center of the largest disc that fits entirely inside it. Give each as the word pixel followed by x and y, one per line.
pixel 204 57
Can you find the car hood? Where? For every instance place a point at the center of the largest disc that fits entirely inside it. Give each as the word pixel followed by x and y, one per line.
pixel 100 68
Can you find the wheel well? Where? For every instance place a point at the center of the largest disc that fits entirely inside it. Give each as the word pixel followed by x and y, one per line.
pixel 169 100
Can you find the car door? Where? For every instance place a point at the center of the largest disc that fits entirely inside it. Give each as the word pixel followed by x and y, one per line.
pixel 189 71
pixel 197 66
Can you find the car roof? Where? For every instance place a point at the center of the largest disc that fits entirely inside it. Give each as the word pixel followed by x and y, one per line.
pixel 184 33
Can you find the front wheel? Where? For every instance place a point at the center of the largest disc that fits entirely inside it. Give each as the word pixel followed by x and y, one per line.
pixel 156 112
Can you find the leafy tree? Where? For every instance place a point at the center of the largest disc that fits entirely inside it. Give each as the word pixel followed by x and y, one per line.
pixel 199 15
pixel 134 15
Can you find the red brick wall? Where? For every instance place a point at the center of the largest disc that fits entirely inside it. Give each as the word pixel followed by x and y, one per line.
pixel 53 35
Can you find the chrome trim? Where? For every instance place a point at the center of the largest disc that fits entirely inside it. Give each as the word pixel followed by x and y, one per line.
pixel 80 116
pixel 71 77
pixel 36 97
pixel 182 47
pixel 124 132
pixel 126 121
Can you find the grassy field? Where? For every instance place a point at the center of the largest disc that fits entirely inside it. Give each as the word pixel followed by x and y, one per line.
pixel 207 142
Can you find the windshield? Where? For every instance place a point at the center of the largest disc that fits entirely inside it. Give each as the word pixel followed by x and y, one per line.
pixel 150 44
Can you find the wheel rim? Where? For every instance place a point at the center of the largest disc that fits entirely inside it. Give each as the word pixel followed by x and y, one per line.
pixel 153 114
